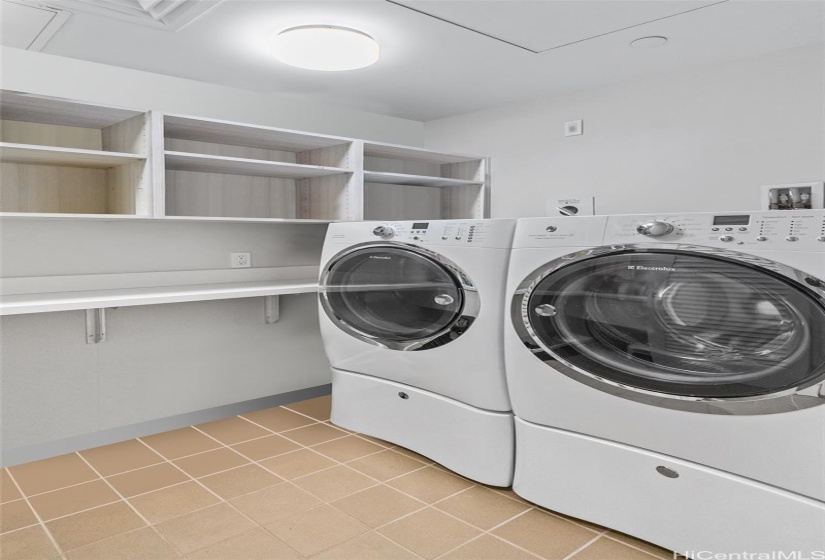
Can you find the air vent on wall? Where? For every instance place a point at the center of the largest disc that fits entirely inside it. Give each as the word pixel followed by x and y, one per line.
pixel 171 15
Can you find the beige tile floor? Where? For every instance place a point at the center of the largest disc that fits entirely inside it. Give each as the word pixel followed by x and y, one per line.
pixel 276 484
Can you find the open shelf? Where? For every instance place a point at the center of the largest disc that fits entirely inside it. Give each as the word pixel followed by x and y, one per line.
pixel 67 301
pixel 416 180
pixel 181 161
pixel 249 135
pixel 66 157
pixel 218 170
pixel 59 156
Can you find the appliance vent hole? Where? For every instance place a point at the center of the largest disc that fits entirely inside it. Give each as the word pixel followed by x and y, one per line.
pixel 664 471
pixel 403 395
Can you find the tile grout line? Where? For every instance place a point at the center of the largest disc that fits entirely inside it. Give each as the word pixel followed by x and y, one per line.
pixel 36 515
pixel 607 536
pixel 224 501
pixel 584 546
pixel 128 504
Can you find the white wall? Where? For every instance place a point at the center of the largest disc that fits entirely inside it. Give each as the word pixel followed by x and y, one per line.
pixel 697 139
pixel 47 74
pixel 162 360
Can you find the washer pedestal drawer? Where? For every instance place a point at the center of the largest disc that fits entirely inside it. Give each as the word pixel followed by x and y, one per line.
pixel 682 506
pixel 475 443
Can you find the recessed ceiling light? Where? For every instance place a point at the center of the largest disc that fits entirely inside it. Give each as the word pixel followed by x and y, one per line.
pixel 325 47
pixel 648 42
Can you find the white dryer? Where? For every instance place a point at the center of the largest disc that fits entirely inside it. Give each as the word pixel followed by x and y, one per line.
pixel 668 376
pixel 411 316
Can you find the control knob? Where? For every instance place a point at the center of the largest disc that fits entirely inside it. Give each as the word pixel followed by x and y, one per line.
pixel 726 238
pixel 384 231
pixel 655 228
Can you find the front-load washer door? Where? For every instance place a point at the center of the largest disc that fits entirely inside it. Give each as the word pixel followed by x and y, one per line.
pixel 398 297
pixel 680 326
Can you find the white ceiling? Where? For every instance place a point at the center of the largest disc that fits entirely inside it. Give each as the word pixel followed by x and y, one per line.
pixel 432 68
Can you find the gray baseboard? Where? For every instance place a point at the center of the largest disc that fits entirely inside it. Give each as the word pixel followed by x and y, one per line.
pixel 15 456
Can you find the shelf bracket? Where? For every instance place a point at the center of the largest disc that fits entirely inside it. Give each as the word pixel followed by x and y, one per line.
pixel 272 309
pixel 95 326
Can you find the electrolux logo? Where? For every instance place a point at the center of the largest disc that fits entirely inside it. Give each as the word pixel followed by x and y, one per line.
pixel 767 555
pixel 653 268
pixel 380 257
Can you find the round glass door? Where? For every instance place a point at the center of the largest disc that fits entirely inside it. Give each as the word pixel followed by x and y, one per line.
pixel 396 297
pixel 679 323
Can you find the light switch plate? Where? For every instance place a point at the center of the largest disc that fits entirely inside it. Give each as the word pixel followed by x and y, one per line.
pixel 574 128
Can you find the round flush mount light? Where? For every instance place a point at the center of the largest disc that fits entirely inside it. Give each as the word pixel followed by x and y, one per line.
pixel 325 47
pixel 648 42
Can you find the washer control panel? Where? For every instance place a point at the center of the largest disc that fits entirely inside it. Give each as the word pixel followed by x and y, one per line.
pixel 465 233
pixel 786 230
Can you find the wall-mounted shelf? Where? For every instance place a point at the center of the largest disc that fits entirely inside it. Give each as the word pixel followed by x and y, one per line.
pixel 181 161
pixel 66 157
pixel 72 159
pixel 19 304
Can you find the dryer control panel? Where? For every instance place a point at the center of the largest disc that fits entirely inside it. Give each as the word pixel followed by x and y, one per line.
pixel 463 233
pixel 802 230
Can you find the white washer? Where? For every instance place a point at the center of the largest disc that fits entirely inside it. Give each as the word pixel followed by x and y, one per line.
pixel 668 375
pixel 411 316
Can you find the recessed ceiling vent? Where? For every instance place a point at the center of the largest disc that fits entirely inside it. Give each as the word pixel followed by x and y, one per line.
pixel 171 15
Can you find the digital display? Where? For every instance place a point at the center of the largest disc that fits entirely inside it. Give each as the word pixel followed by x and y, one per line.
pixel 421 225
pixel 731 220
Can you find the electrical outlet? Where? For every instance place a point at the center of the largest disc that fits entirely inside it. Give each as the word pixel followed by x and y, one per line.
pixel 240 260
pixel 574 128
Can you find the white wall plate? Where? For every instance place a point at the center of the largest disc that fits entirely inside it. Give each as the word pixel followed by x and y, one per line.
pixel 793 196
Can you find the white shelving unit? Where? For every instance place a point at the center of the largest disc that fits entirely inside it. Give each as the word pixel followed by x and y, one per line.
pixel 403 183
pixel 59 156
pixel 225 170
pixel 71 159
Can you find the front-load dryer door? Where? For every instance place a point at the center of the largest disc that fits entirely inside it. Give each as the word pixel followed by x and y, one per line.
pixel 398 297
pixel 680 327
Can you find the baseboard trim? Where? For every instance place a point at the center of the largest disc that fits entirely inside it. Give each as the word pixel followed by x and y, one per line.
pixel 17 455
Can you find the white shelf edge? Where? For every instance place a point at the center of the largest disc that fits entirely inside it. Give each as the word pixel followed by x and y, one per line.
pixel 132 217
pixel 35 154
pixel 58 216
pixel 72 301
pixel 205 163
pixel 416 180
pixel 245 220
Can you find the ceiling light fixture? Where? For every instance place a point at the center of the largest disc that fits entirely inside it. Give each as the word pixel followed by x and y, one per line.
pixel 325 47
pixel 648 42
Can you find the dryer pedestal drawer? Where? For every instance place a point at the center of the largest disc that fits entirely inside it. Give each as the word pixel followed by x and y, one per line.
pixel 475 443
pixel 679 505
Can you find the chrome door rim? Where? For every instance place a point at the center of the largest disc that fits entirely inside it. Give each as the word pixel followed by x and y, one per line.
pixel 465 317
pixel 804 396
